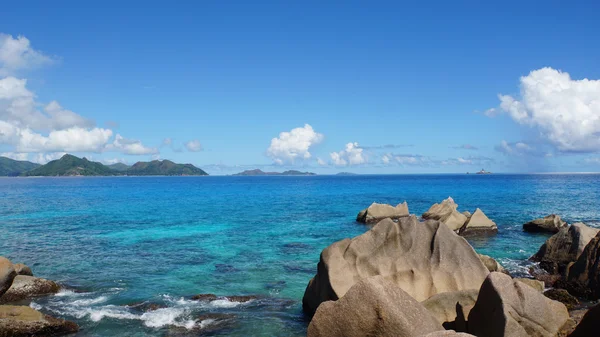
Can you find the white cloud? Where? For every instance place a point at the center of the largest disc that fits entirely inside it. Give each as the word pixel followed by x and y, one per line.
pixel 595 161
pixel 167 142
pixel 130 146
pixel 466 147
pixel 321 162
pixel 43 158
pixel 515 149
pixel 29 126
pixel 15 155
pixel 565 111
pixel 351 155
pixel 292 146
pixel 17 54
pixel 110 161
pixel 385 159
pixel 193 146
pixel 19 107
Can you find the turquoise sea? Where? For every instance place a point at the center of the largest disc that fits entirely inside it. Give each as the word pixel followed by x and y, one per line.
pixel 118 241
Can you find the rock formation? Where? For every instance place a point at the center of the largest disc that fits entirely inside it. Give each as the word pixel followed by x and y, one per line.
pixel 27 287
pixel 583 276
pixel 479 223
pixel 377 212
pixel 506 307
pixel 452 308
pixel 25 321
pixel 564 247
pixel 7 274
pixel 422 258
pixel 373 307
pixel 550 224
pixel 446 212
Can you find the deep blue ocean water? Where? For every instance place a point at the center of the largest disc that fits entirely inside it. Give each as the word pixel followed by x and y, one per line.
pixel 117 241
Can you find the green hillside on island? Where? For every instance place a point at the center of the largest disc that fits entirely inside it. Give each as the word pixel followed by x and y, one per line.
pixel 164 168
pixel 12 168
pixel 258 172
pixel 69 165
pixel 119 167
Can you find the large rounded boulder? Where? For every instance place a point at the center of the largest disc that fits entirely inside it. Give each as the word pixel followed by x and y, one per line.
pixel 26 287
pixel 446 212
pixel 583 277
pixel 564 247
pixel 548 224
pixel 7 274
pixel 373 307
pixel 451 309
pixel 422 258
pixel 25 321
pixel 377 212
pixel 506 307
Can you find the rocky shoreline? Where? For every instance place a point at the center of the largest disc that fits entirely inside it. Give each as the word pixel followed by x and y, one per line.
pixel 419 277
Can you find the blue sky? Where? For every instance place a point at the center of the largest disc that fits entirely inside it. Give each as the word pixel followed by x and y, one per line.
pixel 367 87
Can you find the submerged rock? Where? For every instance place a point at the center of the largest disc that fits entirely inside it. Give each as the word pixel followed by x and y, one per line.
pixel 479 223
pixel 506 307
pixel 422 258
pixel 451 309
pixel 446 212
pixel 22 269
pixel 27 287
pixel 583 277
pixel 550 224
pixel 373 307
pixel 377 212
pixel 204 297
pixel 25 321
pixel 7 274
pixel 564 247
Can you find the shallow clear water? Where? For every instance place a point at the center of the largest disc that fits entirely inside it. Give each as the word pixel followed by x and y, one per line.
pixel 117 241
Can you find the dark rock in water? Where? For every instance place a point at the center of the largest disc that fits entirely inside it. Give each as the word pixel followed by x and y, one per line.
pixel 549 224
pixel 542 275
pixel 422 258
pixel 563 248
pixel 589 325
pixel 204 297
pixel 234 298
pixel 7 274
pixel 146 306
pixel 583 276
pixel 563 297
pixel 225 268
pixel 296 248
pixel 24 321
pixel 27 287
pixel 373 307
pixel 22 269
pixel 293 268
pixel 276 285
pixel 506 307
pixel 207 325
pixel 241 298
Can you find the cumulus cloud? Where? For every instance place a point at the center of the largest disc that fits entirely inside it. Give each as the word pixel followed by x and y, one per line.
pixel 130 146
pixel 45 130
pixel 294 145
pixel 17 54
pixel 15 155
pixel 351 155
pixel 565 111
pixel 595 161
pixel 470 160
pixel 321 162
pixel 193 146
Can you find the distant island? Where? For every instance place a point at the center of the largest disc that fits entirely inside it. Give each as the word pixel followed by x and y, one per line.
pixel 258 172
pixel 346 174
pixel 482 172
pixel 69 165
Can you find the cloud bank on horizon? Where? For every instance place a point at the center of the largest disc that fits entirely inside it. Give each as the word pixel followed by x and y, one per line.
pixel 563 113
